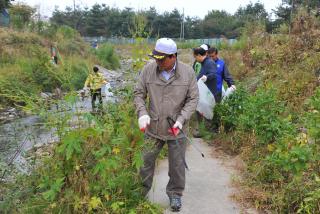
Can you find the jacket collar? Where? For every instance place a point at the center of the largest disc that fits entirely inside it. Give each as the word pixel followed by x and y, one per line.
pixel 205 59
pixel 175 75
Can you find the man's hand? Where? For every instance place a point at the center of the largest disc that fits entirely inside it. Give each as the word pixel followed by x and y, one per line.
pixel 233 87
pixel 144 121
pixel 204 78
pixel 175 130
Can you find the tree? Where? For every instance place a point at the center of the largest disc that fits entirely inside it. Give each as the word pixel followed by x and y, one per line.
pixel 193 28
pixel 21 15
pixel 170 25
pixel 96 22
pixel 286 10
pixel 151 16
pixel 252 13
pixel 4 4
pixel 217 23
pixel 139 26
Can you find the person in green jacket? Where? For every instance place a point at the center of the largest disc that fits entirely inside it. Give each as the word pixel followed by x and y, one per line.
pixel 197 65
pixel 95 81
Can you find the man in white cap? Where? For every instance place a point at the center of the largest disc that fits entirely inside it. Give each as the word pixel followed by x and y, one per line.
pixel 172 92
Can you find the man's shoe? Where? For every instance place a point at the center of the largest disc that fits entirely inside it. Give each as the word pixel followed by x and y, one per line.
pixel 196 134
pixel 175 203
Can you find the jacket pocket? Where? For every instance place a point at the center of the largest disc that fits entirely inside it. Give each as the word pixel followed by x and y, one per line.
pixel 154 123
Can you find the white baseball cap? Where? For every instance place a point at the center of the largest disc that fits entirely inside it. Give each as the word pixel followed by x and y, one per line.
pixel 204 47
pixel 164 47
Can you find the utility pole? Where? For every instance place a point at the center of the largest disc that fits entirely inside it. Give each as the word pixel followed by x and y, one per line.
pixel 180 31
pixel 39 17
pixel 183 24
pixel 291 14
pixel 74 6
pixel 74 14
pixel 182 27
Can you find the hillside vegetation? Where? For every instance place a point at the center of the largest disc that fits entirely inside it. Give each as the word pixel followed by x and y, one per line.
pixel 26 67
pixel 93 165
pixel 272 121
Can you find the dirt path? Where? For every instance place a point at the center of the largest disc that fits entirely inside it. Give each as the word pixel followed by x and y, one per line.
pixel 208 188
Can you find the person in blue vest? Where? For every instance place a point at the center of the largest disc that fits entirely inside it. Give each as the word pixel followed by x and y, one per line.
pixel 94 44
pixel 222 73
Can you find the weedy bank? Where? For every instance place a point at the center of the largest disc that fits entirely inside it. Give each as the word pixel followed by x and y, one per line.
pixel 272 120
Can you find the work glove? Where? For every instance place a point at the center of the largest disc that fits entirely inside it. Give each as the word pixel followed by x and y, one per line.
pixel 204 78
pixel 175 128
pixel 143 121
pixel 233 87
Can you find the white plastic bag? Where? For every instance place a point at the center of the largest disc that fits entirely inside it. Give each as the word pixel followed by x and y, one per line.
pixel 223 91
pixel 206 101
pixel 229 91
pixel 106 90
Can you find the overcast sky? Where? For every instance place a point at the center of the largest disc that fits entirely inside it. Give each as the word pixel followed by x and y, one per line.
pixel 191 7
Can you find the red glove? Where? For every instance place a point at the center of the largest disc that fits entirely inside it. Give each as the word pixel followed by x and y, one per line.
pixel 175 129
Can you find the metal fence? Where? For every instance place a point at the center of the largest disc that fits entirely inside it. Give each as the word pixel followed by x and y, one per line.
pixel 120 40
pixel 4 18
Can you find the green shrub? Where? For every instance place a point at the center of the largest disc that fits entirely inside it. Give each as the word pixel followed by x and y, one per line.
pixel 312 119
pixel 107 57
pixel 139 52
pixel 94 167
pixel 261 113
pixel 228 112
pixel 187 45
pixel 264 114
pixel 66 32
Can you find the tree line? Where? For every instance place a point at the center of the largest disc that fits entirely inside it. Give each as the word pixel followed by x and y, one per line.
pixel 106 21
pixel 102 20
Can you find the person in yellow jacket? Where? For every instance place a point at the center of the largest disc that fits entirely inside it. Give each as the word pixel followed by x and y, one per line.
pixel 95 81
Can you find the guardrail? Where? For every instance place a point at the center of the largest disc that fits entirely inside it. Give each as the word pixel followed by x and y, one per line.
pixel 118 41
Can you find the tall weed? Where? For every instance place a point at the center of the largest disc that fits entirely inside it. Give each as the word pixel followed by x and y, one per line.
pixel 107 57
pixel 94 167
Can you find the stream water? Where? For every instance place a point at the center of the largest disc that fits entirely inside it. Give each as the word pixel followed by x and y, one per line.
pixel 24 134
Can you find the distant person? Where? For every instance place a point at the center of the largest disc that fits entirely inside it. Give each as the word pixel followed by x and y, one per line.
pixel 95 44
pixel 54 53
pixel 95 81
pixel 222 73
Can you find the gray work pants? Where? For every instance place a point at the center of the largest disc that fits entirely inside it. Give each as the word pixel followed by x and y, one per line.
pixel 176 156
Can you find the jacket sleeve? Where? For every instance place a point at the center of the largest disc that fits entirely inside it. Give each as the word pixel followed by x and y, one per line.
pixel 191 103
pixel 87 82
pixel 227 76
pixel 140 95
pixel 202 72
pixel 103 80
pixel 211 71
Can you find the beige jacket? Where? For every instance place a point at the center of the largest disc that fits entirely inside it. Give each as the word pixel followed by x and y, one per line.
pixel 177 98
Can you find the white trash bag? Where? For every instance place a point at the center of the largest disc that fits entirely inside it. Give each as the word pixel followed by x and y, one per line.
pixel 223 91
pixel 229 91
pixel 206 101
pixel 106 90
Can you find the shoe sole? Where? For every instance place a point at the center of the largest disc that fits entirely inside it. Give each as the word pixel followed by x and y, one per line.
pixel 175 209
